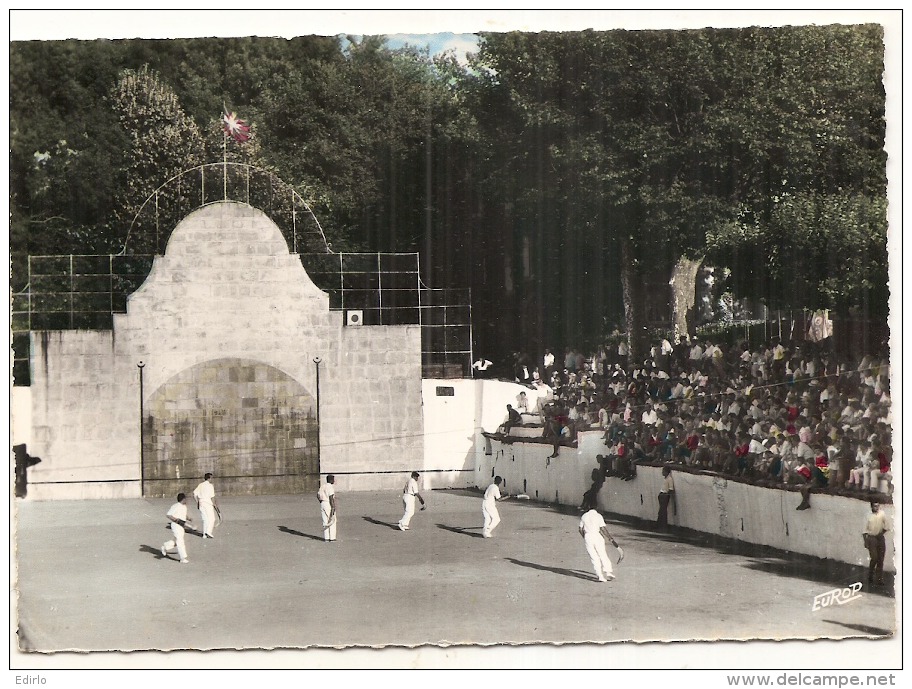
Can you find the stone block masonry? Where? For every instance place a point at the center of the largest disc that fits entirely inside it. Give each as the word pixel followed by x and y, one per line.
pixel 226 326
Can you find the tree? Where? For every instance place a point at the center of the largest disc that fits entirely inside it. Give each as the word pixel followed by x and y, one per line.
pixel 65 149
pixel 648 142
pixel 352 131
pixel 163 140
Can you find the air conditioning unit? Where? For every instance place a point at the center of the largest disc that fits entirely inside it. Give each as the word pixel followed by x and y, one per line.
pixel 354 317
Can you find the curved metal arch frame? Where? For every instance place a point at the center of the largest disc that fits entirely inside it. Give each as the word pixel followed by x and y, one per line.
pixel 295 197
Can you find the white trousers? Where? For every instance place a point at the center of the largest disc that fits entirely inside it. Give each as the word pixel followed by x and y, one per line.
pixel 857 477
pixel 409 502
pixel 208 512
pixel 329 523
pixel 491 519
pixel 177 542
pixel 873 476
pixel 595 546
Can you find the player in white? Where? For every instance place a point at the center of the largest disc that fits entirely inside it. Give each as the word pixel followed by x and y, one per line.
pixel 409 493
pixel 594 532
pixel 489 507
pixel 177 515
pixel 327 497
pixel 206 504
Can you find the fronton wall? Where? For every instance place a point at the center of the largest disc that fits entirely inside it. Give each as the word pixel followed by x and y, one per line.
pixel 226 289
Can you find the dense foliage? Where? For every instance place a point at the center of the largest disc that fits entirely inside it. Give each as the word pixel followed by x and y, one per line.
pixel 560 175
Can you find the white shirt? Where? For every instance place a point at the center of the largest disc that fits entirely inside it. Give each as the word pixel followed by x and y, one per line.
pixel 411 488
pixel 492 494
pixel 804 451
pixel 204 493
pixel 548 361
pixel 326 491
pixel 877 523
pixel 178 511
pixel 591 523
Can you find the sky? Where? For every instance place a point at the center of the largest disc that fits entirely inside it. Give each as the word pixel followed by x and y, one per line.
pixel 437 43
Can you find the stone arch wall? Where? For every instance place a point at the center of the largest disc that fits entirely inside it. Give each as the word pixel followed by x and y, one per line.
pixel 250 424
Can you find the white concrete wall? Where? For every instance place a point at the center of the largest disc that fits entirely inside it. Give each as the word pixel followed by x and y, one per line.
pixel 21 415
pixel 450 433
pixel 831 529
pixel 453 425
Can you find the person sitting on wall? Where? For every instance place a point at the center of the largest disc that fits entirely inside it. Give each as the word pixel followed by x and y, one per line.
pixel 743 458
pixel 522 402
pixel 521 371
pixel 482 367
pixel 878 468
pixel 514 418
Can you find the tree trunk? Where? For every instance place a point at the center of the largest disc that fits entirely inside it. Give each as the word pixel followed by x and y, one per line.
pixel 683 290
pixel 633 302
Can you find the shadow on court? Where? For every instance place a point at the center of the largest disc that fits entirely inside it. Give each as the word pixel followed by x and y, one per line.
pixel 760 558
pixel 380 523
pixel 152 551
pixel 463 530
pixel 863 628
pixel 253 588
pixel 557 570
pixel 285 529
pixel 826 571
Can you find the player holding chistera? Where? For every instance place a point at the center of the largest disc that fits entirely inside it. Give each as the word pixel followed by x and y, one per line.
pixel 327 497
pixel 489 507
pixel 594 532
pixel 206 504
pixel 409 493
pixel 177 515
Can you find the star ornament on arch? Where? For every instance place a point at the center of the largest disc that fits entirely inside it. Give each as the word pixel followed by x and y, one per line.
pixel 235 127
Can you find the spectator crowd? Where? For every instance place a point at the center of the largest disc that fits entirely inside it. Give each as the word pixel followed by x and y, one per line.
pixel 779 415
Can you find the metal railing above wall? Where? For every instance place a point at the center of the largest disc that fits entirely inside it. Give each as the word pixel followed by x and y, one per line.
pixel 83 292
pixel 71 292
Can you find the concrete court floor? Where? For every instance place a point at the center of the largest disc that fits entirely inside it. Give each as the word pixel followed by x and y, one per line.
pixel 91 577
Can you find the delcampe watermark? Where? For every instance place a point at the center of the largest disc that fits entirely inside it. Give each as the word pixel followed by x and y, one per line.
pixel 837 596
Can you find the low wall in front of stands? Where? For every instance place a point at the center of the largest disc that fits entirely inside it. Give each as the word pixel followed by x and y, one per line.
pixel 831 529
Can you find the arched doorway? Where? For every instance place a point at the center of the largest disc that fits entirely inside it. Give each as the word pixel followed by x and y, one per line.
pixel 249 423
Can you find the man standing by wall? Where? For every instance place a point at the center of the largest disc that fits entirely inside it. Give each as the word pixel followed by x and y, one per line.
pixel 327 497
pixel 409 493
pixel 206 504
pixel 665 496
pixel 177 515
pixel 594 532
pixel 876 543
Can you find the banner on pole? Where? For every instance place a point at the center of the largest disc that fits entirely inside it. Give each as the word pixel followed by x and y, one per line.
pixel 821 326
